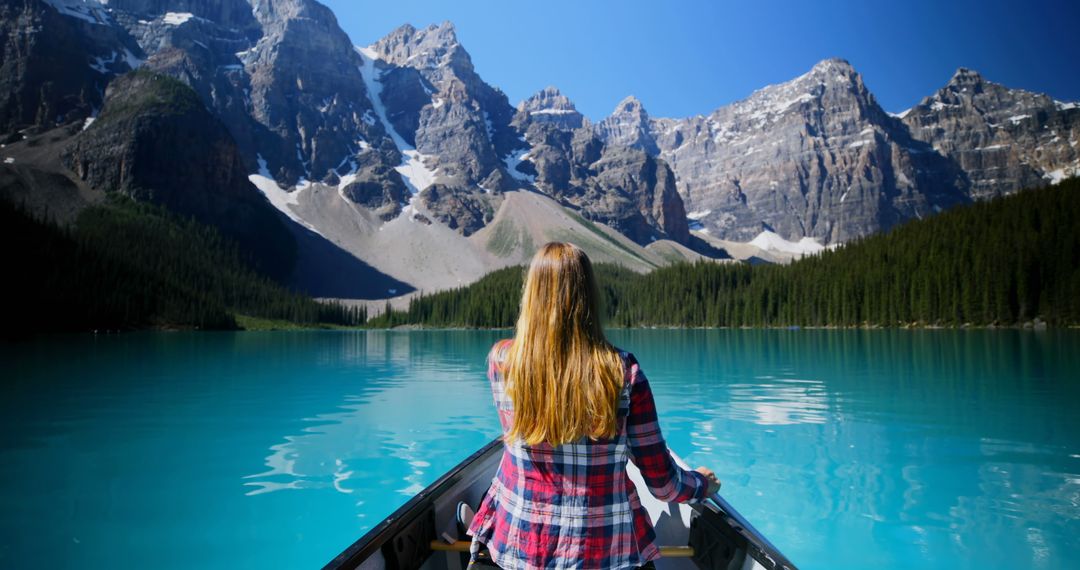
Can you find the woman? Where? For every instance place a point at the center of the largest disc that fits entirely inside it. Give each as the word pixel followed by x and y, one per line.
pixel 574 409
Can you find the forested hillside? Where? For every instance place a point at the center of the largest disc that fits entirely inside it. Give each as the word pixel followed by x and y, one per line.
pixel 1002 262
pixel 127 265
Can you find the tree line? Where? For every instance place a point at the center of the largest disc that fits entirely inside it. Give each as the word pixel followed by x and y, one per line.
pixel 127 265
pixel 1001 262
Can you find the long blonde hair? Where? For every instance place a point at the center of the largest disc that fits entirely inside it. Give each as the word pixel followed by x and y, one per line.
pixel 562 375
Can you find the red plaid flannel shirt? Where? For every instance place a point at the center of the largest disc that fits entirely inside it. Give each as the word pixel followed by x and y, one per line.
pixel 574 506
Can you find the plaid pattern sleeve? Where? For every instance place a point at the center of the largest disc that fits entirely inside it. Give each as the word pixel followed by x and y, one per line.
pixel 574 506
pixel 648 450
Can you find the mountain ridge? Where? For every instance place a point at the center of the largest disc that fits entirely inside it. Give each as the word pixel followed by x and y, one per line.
pixel 404 137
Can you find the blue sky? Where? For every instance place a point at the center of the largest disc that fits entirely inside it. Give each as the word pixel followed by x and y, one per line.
pixel 687 57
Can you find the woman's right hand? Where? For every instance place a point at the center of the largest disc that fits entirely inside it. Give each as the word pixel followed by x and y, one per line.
pixel 714 481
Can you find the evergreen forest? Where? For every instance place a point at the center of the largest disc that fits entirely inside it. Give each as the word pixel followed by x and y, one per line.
pixel 126 265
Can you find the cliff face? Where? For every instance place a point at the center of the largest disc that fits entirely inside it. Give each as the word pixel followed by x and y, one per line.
pixel 1004 139
pixel 620 186
pixel 54 64
pixel 477 146
pixel 155 141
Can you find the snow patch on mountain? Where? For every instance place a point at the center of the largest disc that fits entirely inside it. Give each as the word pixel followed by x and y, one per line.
pixel 86 10
pixel 1060 174
pixel 770 241
pixel 512 161
pixel 416 174
pixel 102 65
pixel 278 196
pixel 177 18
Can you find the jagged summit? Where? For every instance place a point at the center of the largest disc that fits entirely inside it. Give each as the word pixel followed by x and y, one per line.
pixel 629 125
pixel 832 63
pixel 630 104
pixel 547 99
pixel 831 71
pixel 434 46
pixel 549 105
pixel 965 75
pixel 1003 138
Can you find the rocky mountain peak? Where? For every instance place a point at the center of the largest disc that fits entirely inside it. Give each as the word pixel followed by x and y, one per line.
pixel 429 48
pixel 965 76
pixel 968 89
pixel 628 125
pixel 833 73
pixel 548 98
pixel 550 106
pixel 832 85
pixel 630 105
pixel 1004 139
pixel 281 11
pixel 834 64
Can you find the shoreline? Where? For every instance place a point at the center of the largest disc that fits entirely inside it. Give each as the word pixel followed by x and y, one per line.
pixel 293 327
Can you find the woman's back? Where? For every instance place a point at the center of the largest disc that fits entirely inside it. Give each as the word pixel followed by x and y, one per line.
pixel 574 409
pixel 573 505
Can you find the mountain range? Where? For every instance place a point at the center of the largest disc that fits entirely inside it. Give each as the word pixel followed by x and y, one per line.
pixel 370 172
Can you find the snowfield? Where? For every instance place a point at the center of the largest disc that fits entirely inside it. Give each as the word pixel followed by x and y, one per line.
pixel 770 241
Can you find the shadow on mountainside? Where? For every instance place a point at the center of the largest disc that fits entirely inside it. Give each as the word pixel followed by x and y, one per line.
pixel 707 249
pixel 325 270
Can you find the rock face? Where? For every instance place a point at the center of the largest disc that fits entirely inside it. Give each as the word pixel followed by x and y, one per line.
pixel 1004 139
pixel 307 90
pixel 812 157
pixel 156 142
pixel 620 186
pixel 462 123
pixel 457 124
pixel 55 61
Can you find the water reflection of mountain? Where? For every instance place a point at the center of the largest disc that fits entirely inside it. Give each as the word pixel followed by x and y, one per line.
pixel 418 405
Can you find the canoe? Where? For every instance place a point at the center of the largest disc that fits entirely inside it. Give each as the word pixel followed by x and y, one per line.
pixel 424 534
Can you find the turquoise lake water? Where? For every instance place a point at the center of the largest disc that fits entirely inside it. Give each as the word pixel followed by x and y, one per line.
pixel 848 449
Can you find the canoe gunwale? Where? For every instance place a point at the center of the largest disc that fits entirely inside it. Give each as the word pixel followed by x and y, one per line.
pixel 758 547
pixel 406 514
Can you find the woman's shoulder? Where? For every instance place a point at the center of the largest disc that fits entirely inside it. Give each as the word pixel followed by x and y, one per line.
pixel 499 350
pixel 631 367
